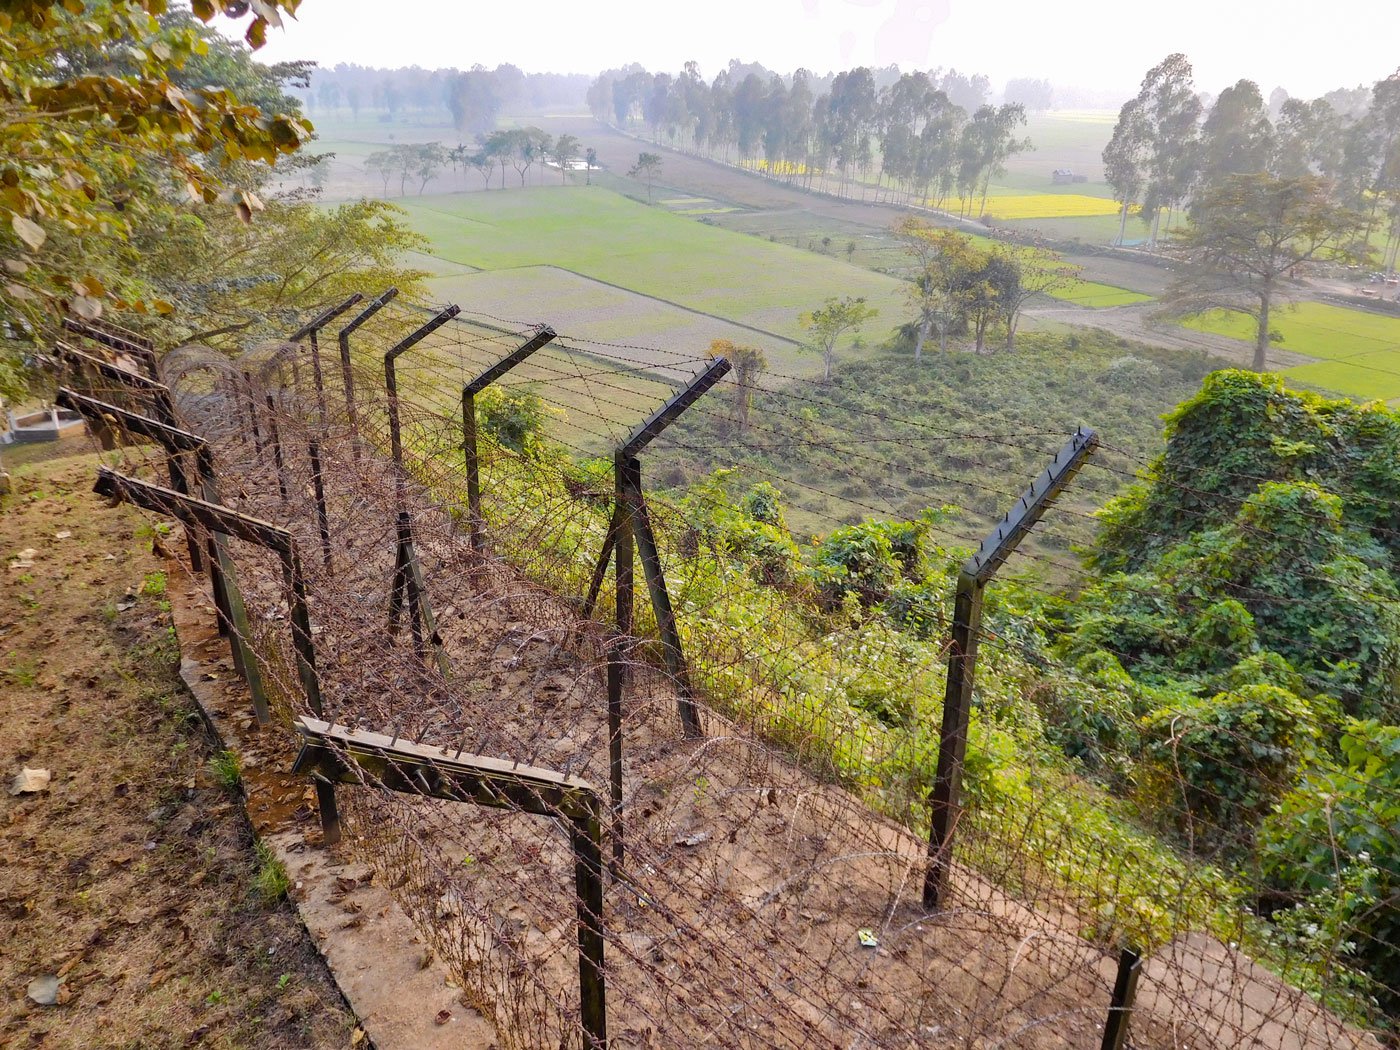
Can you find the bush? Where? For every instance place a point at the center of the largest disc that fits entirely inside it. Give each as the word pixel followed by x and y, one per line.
pixel 1333 846
pixel 514 418
pixel 1228 758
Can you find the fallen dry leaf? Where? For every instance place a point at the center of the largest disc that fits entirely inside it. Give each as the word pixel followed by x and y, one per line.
pixel 30 781
pixel 44 990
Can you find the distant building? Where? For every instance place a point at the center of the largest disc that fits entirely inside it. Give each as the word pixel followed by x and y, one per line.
pixel 1064 177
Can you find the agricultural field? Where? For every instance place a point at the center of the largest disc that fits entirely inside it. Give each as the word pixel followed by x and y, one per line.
pixel 1010 206
pixel 676 260
pixel 1358 352
pixel 600 317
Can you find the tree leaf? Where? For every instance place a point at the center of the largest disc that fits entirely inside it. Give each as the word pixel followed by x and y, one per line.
pixel 29 231
pixel 86 307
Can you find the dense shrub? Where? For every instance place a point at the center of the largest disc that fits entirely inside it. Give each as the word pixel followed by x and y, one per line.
pixel 1222 762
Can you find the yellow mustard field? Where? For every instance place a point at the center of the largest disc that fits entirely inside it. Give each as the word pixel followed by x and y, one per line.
pixel 1037 206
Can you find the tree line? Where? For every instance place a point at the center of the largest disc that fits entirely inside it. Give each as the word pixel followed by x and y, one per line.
pixel 921 136
pixel 1270 191
pixel 1172 146
pixel 473 98
pixel 515 148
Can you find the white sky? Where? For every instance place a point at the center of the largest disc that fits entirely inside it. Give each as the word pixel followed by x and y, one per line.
pixel 1306 46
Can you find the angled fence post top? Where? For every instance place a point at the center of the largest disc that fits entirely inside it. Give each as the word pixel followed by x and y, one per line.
pixel 324 318
pixel 418 335
pixel 107 369
pixel 664 416
pixel 371 308
pixel 442 773
pixel 115 338
pixel 997 546
pixel 173 439
pixel 542 337
pixel 241 526
pixel 667 415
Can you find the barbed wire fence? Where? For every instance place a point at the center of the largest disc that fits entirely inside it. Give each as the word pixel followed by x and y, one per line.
pixel 703 817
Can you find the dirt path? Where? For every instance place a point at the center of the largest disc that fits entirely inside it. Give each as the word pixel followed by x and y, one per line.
pixel 133 878
pixel 1136 323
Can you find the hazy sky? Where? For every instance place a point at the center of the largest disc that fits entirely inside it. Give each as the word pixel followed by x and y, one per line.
pixel 1306 46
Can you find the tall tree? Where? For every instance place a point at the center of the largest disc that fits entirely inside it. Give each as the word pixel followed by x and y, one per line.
pixel 590 158
pixel 565 153
pixel 1172 112
pixel 1248 239
pixel 1125 159
pixel 1237 137
pixel 833 319
pixel 1309 140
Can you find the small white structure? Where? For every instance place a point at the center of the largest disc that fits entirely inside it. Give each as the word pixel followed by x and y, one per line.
pixel 47 424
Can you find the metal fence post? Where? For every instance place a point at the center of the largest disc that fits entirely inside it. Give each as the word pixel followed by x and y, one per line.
pixel 311 332
pixel 944 797
pixel 470 389
pixel 391 388
pixel 347 373
pixel 1120 1010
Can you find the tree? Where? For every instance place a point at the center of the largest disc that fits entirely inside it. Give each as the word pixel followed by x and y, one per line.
pixel 225 276
pixel 1249 237
pixel 474 101
pixel 484 164
pixel 828 323
pixel 565 152
pixel 97 139
pixel 1171 112
pixel 1036 95
pixel 500 146
pixel 1029 272
pixel 1237 138
pixel 748 362
pixel 426 160
pixel 382 163
pixel 1126 157
pixel 946 265
pixel 648 166
pixel 590 158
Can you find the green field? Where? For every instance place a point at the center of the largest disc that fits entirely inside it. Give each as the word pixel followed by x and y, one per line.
pixel 1092 293
pixel 1359 352
pixel 651 251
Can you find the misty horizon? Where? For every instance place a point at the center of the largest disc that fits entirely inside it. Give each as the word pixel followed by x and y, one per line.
pixel 1288 45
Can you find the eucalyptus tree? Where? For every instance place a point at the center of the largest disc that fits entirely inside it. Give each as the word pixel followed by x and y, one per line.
pixel 1237 137
pixel 1172 112
pixel 1309 139
pixel 1126 158
pixel 749 99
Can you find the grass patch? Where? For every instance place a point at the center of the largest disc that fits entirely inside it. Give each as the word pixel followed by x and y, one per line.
pixel 1359 352
pixel 226 770
pixel 1092 293
pixel 272 881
